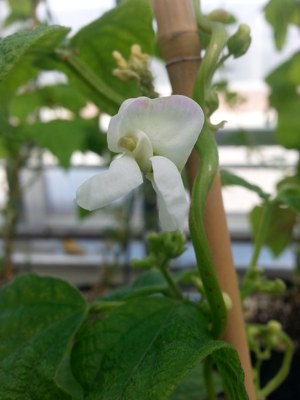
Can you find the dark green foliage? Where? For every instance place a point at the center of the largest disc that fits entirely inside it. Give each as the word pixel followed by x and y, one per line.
pixel 50 347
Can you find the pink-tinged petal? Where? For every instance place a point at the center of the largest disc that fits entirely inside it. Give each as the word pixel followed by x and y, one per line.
pixel 100 190
pixel 173 204
pixel 172 124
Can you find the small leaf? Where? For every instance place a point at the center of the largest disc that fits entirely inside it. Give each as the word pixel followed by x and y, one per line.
pixel 230 179
pixel 289 195
pixel 39 317
pixel 280 228
pixel 143 349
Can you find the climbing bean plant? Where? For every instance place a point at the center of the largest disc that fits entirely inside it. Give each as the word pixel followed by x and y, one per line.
pixel 146 340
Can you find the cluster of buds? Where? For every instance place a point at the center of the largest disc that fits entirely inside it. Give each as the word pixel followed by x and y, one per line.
pixel 136 67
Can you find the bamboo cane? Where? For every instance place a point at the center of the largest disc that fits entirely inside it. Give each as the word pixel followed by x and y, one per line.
pixel 179 43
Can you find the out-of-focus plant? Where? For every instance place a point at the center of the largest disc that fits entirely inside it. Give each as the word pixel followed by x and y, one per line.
pixel 24 99
pixel 141 341
pixel 282 216
pixel 275 221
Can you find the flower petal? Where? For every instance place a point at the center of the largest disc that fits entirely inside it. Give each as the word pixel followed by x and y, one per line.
pixel 172 199
pixel 122 176
pixel 172 124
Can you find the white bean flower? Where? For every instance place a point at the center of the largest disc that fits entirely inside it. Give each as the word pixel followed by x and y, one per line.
pixel 155 138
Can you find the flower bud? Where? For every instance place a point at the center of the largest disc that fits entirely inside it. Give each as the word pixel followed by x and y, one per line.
pixel 240 41
pixel 227 301
pixel 275 327
pixel 221 15
pixel 170 244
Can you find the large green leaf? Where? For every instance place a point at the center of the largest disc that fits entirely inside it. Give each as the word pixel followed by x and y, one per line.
pixel 143 349
pixel 63 137
pixel 39 317
pixel 285 98
pixel 66 96
pixel 90 64
pixel 280 14
pixel 285 76
pixel 19 53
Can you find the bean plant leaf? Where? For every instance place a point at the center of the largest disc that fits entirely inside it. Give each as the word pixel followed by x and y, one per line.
pixel 284 82
pixel 20 10
pixel 230 179
pixel 90 64
pixel 63 137
pixel 144 348
pixel 280 228
pixel 23 7
pixel 59 95
pixel 194 385
pixel 66 381
pixel 289 195
pixel 19 53
pixel 148 282
pixel 280 14
pixel 39 317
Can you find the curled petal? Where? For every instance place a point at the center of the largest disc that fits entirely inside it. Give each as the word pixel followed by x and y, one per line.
pixel 172 199
pixel 172 124
pixel 142 148
pixel 100 190
pixel 115 131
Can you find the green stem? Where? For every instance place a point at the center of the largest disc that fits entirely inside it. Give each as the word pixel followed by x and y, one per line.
pixel 256 374
pixel 164 268
pixel 261 234
pixel 206 147
pixel 210 61
pixel 105 306
pixel 283 371
pixel 147 291
pixel 11 212
pixel 92 79
pixel 208 379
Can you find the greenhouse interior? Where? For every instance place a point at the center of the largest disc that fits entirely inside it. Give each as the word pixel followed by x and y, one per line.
pixel 150 199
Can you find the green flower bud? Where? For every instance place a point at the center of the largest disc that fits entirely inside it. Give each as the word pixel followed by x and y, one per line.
pixel 227 301
pixel 169 244
pixel 220 15
pixel 275 327
pixel 212 101
pixel 239 42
